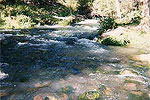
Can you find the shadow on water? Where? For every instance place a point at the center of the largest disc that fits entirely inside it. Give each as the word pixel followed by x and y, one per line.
pixel 47 62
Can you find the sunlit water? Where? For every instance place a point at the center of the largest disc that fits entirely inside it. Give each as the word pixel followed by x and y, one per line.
pixel 64 62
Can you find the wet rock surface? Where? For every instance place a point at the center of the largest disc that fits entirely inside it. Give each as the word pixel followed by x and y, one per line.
pixel 67 64
pixel 142 57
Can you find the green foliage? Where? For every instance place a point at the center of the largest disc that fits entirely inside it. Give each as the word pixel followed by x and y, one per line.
pixel 24 21
pixel 106 23
pixel 104 7
pixel 113 41
pixel 35 13
pixel 132 18
pixel 42 11
pixel 85 7
pixel 20 21
pixel 2 22
pixel 38 15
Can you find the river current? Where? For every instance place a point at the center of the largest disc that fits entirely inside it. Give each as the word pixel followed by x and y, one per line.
pixel 61 63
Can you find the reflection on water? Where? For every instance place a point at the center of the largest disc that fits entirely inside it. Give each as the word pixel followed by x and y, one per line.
pixel 58 64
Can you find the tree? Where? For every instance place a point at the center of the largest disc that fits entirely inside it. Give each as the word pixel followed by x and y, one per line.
pixel 145 8
pixel 148 7
pixel 118 9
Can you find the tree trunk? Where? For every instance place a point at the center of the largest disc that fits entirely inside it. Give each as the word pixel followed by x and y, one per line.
pixel 146 8
pixel 145 22
pixel 118 9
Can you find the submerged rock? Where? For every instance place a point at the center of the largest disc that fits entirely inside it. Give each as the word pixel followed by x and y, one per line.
pixel 137 93
pixel 3 93
pixel 91 95
pixel 128 72
pixel 3 75
pixel 148 72
pixel 38 97
pixel 130 86
pixel 51 96
pixel 108 91
pixel 71 41
pixel 142 96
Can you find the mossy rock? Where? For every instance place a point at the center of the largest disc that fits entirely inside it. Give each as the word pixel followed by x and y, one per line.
pixel 112 72
pixel 91 95
pixel 128 80
pixel 114 41
pixel 67 90
pixel 129 72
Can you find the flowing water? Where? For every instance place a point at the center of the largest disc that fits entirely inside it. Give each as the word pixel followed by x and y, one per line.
pixel 61 63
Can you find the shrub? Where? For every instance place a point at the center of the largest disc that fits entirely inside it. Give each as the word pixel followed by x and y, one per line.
pixel 20 21
pixel 2 22
pixel 132 18
pixel 104 7
pixel 85 7
pixel 106 23
pixel 24 21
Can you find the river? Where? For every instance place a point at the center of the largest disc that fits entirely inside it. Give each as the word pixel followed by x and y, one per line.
pixel 61 63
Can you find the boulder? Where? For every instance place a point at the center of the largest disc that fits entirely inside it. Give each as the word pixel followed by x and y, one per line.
pixel 38 97
pixel 142 57
pixel 108 91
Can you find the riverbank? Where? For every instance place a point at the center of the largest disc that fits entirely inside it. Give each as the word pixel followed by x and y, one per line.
pixel 130 37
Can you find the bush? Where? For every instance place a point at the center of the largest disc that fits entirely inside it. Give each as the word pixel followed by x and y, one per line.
pixel 132 18
pixel 104 7
pixel 18 22
pixel 42 15
pixel 24 21
pixel 2 22
pixel 106 23
pixel 85 7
